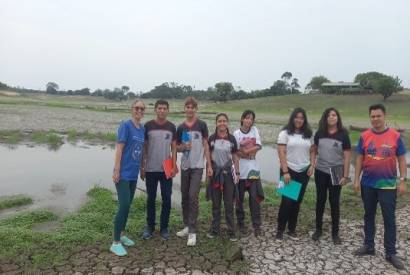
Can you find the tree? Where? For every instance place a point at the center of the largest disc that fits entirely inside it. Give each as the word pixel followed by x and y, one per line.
pixel 279 87
pixel 387 85
pixel 223 90
pixel 52 88
pixel 368 79
pixel 295 85
pixel 316 82
pixel 125 89
pixel 286 76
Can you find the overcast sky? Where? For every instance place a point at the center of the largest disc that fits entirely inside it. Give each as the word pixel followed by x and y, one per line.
pixel 106 44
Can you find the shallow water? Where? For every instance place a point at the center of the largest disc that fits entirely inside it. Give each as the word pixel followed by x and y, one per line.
pixel 59 179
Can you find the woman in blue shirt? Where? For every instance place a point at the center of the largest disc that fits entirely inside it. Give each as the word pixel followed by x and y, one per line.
pixel 128 153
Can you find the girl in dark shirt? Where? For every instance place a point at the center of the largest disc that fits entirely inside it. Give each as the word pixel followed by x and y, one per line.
pixel 332 147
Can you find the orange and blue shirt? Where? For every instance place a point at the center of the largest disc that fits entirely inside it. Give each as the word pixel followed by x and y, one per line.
pixel 380 152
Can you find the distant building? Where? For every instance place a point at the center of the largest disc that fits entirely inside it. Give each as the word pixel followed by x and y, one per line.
pixel 342 88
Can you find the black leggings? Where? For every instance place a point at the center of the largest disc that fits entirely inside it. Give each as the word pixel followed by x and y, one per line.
pixel 323 184
pixel 289 209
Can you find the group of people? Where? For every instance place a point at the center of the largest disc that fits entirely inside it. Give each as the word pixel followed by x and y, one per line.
pixel 231 170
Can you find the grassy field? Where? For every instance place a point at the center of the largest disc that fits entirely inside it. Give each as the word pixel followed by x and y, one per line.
pixel 14 201
pixel 269 109
pixel 92 226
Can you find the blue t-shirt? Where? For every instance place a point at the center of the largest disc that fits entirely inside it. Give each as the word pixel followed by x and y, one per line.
pixel 133 139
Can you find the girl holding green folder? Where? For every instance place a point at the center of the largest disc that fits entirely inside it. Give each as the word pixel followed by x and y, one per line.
pixel 296 164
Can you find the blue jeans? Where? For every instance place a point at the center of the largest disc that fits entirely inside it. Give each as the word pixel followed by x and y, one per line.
pixel 151 179
pixel 387 200
pixel 125 193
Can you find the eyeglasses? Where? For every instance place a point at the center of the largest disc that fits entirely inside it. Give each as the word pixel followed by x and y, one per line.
pixel 142 109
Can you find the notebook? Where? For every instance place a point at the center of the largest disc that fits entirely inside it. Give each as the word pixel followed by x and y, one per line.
pixel 167 165
pixel 290 190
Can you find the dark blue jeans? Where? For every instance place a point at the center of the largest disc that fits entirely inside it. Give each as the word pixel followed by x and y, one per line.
pixel 125 193
pixel 387 200
pixel 152 179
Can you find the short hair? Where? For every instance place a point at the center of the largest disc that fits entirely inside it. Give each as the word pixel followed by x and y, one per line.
pixel 191 101
pixel 247 113
pixel 377 106
pixel 161 102
pixel 136 101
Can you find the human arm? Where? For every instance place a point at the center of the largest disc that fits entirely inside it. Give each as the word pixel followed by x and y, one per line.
pixel 174 157
pixel 117 162
pixel 402 187
pixel 283 162
pixel 346 166
pixel 209 171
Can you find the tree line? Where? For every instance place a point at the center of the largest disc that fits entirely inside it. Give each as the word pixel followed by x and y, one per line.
pixel 369 82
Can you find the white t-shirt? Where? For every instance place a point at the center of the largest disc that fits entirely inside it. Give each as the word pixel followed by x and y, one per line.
pixel 297 150
pixel 248 168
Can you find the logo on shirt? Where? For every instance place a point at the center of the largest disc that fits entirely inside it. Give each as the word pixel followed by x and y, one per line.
pixel 196 136
pixel 248 142
pixel 167 136
pixel 371 149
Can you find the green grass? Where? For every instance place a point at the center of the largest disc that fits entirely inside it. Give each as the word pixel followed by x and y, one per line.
pixel 54 139
pixel 50 138
pixel 93 225
pixel 10 136
pixel 73 136
pixel 14 201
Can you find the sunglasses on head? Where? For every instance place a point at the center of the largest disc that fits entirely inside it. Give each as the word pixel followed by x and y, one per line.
pixel 142 109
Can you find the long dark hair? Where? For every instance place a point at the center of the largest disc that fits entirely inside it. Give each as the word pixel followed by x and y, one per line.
pixel 245 114
pixel 323 127
pixel 290 127
pixel 216 120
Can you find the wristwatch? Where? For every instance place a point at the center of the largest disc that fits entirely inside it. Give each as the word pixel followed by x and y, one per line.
pixel 403 179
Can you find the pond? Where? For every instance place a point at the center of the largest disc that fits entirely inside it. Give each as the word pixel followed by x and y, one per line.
pixel 59 179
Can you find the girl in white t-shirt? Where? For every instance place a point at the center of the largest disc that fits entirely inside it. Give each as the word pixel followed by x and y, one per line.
pixel 249 142
pixel 296 158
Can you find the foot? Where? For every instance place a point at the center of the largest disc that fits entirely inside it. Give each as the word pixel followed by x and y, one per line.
pixel 147 233
pixel 292 234
pixel 191 239
pixel 183 233
pixel 336 240
pixel 364 250
pixel 212 235
pixel 257 232
pixel 279 235
pixel 395 261
pixel 118 249
pixel 316 236
pixel 232 237
pixel 127 241
pixel 165 234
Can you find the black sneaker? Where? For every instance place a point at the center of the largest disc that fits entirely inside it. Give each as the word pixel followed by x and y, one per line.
pixel 257 232
pixel 316 236
pixel 336 240
pixel 212 235
pixel 365 250
pixel 232 237
pixel 292 234
pixel 279 235
pixel 395 261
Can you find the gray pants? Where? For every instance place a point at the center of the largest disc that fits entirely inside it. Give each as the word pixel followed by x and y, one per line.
pixel 190 187
pixel 254 205
pixel 228 194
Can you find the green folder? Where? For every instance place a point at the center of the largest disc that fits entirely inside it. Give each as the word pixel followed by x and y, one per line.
pixel 290 190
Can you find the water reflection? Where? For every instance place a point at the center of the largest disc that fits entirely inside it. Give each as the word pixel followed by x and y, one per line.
pixel 58 180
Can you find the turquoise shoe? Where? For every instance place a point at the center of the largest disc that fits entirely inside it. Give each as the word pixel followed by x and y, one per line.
pixel 127 241
pixel 118 249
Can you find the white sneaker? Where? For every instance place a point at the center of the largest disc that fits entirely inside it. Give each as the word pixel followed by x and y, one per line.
pixel 183 233
pixel 191 239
